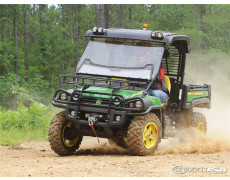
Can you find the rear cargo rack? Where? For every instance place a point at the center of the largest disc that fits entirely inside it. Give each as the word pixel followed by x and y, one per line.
pixel 98 81
pixel 193 87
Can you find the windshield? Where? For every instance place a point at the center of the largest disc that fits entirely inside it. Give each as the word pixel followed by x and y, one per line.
pixel 123 55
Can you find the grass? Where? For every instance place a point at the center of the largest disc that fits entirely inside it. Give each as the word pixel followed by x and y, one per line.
pixel 17 136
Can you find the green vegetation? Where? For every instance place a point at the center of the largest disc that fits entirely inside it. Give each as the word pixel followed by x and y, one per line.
pixel 24 124
pixel 40 42
pixel 14 90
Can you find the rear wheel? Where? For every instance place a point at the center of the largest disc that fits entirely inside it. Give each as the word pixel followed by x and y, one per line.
pixel 144 134
pixel 119 141
pixel 188 118
pixel 199 122
pixel 63 137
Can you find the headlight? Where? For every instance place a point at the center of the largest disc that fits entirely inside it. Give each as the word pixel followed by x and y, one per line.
pixel 153 34
pixel 157 35
pixel 117 101
pixel 160 35
pixel 75 96
pixel 95 29
pixel 118 118
pixel 100 29
pixel 138 104
pixel 72 113
pixel 132 105
pixel 63 96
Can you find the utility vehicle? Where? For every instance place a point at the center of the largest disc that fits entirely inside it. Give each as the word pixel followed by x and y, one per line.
pixel 109 95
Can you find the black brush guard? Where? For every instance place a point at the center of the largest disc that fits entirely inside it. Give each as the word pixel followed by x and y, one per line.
pixel 87 104
pixel 108 82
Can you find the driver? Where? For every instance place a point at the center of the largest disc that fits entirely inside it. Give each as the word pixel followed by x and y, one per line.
pixel 159 89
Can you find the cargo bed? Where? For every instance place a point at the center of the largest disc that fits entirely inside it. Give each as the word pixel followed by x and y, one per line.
pixel 196 96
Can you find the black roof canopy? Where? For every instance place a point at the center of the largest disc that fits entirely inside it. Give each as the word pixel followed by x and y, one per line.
pixel 144 35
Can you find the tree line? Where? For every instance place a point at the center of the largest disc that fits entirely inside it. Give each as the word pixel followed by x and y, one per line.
pixel 38 41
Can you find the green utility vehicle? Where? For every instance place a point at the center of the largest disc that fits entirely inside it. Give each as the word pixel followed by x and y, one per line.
pixel 109 96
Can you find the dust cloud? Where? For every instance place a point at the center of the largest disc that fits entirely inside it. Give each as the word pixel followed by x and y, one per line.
pixel 90 146
pixel 192 141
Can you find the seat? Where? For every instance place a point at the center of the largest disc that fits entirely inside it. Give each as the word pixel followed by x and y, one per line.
pixel 167 82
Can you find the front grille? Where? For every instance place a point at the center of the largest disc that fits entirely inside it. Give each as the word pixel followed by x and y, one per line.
pixel 93 101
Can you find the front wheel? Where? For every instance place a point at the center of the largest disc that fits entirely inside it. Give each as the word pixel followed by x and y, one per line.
pixel 63 137
pixel 144 134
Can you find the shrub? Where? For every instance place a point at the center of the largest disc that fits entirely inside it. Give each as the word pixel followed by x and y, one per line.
pixel 24 124
pixel 15 91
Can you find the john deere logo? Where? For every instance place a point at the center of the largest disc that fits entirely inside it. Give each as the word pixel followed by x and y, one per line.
pixel 98 101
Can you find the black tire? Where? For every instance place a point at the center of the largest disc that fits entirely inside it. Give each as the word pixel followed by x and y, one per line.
pixel 136 131
pixel 119 141
pixel 188 118
pixel 199 122
pixel 61 132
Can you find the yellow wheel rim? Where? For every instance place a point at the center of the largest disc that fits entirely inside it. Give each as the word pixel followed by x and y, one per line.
pixel 200 127
pixel 66 141
pixel 150 135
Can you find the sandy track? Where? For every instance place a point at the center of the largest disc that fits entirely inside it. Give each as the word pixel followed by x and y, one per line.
pixel 93 159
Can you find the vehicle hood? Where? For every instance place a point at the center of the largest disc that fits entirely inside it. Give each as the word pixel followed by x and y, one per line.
pixel 125 93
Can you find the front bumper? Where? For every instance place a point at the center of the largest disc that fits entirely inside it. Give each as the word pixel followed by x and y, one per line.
pixel 110 123
pixel 108 108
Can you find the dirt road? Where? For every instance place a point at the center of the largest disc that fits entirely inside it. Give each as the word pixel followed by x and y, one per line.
pixel 93 159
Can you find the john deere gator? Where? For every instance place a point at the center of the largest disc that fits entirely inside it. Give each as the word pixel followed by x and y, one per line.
pixel 109 92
